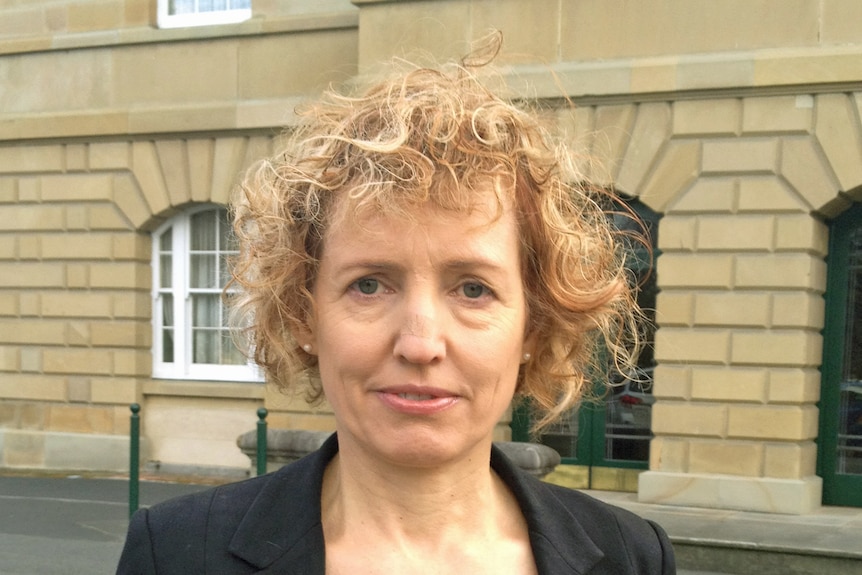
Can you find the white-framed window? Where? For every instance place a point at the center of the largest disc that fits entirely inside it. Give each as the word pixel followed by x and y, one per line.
pixel 185 13
pixel 191 335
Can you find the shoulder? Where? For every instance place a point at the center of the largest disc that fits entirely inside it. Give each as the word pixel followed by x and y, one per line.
pixel 634 543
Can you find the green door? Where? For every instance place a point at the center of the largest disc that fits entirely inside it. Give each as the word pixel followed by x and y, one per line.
pixel 605 443
pixel 840 443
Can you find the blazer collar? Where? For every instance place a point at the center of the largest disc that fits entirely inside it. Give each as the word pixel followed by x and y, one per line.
pixel 282 532
pixel 559 541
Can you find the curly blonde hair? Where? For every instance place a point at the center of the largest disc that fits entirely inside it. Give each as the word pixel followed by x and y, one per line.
pixel 435 136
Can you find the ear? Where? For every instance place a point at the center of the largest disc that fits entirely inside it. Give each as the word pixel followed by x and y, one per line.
pixel 304 337
pixel 528 349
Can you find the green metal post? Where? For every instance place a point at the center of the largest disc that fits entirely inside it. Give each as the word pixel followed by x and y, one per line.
pixel 134 457
pixel 261 441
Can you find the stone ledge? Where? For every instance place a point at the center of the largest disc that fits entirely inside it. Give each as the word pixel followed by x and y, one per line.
pixel 287 445
pixel 762 494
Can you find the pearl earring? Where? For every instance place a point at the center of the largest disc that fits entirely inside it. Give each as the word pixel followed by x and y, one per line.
pixel 527 357
pixel 306 348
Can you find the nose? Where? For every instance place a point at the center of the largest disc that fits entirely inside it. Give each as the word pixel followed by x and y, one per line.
pixel 421 339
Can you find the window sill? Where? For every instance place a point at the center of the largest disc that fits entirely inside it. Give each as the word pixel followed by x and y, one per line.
pixel 210 389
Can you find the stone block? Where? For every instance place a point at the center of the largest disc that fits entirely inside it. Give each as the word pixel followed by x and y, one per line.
pixel 29 246
pixel 689 419
pixel 78 333
pixel 87 452
pixel 148 175
pixel 30 304
pixel 77 157
pixel 692 345
pixel 674 308
pixel 778 115
pixel 650 132
pixel 130 201
pixel 109 155
pixel 735 233
pixel 131 363
pixel 175 170
pixel 136 247
pixel 29 189
pixel 8 304
pixel 10 358
pixel 31 158
pixel 175 72
pixel 279 65
pixel 77 361
pixel 440 28
pixel 114 390
pixel 531 35
pixel 805 170
pixel 733 156
pixel 669 454
pixel 768 495
pixel 772 422
pixel 200 154
pixel 801 232
pixel 838 133
pixel 613 125
pixel 695 270
pixel 79 419
pixel 672 382
pixel 31 218
pixel 120 275
pixel 131 305
pixel 790 460
pixel 120 334
pixel 31 360
pixel 678 233
pixel 36 387
pixel 744 458
pixel 794 386
pixel 31 415
pixel 706 195
pixel 779 271
pixel 76 187
pixel 732 308
pixel 22 448
pixel 77 276
pixel 797 310
pixel 675 171
pixel 728 384
pixel 715 117
pixel 76 218
pixel 31 275
pixel 76 304
pixel 78 389
pixel 70 246
pixel 790 348
pixel 31 331
pixel 107 217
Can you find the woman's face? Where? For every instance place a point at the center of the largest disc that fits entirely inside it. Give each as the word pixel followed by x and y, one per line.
pixel 420 331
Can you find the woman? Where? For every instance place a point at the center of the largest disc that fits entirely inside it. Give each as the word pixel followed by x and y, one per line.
pixel 421 253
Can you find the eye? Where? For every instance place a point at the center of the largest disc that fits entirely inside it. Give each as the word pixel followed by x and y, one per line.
pixel 474 290
pixel 367 286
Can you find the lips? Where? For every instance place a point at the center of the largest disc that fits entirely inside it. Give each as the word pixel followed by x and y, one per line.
pixel 417 401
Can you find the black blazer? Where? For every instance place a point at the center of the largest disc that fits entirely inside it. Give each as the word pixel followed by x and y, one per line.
pixel 271 524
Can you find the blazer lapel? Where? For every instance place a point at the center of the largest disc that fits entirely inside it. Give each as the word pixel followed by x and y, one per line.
pixel 559 541
pixel 281 532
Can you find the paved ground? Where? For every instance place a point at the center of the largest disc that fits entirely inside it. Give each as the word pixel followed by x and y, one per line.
pixel 73 525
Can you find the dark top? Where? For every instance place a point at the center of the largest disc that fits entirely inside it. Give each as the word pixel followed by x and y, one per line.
pixel 271 524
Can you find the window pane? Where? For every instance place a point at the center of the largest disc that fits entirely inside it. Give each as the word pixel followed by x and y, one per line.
pixel 167 309
pixel 205 346
pixel 181 7
pixel 230 354
pixel 166 240
pixel 204 231
pixel 168 345
pixel 850 402
pixel 203 271
pixel 165 270
pixel 205 310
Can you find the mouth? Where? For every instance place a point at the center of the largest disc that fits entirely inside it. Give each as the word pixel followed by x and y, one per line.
pixel 413 401
pixel 416 396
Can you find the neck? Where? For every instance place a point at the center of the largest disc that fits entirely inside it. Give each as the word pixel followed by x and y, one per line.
pixel 410 503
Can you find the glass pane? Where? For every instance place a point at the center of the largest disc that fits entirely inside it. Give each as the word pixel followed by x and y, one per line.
pixel 850 402
pixel 167 302
pixel 205 346
pixel 628 417
pixel 226 239
pixel 230 354
pixel 563 435
pixel 181 7
pixel 165 270
pixel 168 345
pixel 166 240
pixel 206 310
pixel 204 231
pixel 203 271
